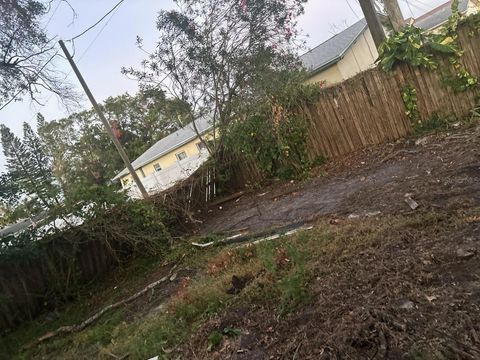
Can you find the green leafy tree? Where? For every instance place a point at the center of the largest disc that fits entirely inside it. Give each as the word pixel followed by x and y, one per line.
pixel 222 58
pixel 143 119
pixel 82 153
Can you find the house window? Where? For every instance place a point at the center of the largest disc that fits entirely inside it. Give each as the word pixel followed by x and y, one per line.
pixel 201 146
pixel 181 155
pixel 157 167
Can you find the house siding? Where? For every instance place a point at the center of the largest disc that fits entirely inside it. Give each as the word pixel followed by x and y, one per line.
pixel 360 57
pixel 165 161
pixel 330 75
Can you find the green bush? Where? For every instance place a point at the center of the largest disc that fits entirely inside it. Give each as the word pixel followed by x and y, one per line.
pixel 275 137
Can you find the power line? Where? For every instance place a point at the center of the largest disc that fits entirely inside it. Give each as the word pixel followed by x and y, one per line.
pixel 98 34
pixel 53 13
pixel 351 8
pixel 113 12
pixel 98 22
pixel 34 76
pixel 84 52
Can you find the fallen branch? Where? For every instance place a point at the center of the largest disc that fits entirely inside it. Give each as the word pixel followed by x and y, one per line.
pixel 79 327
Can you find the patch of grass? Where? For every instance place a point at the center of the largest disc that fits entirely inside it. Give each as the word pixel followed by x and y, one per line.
pixel 281 272
pixel 294 284
pixel 101 334
pixel 215 339
pixel 286 266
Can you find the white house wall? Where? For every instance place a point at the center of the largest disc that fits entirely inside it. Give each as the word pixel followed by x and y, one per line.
pixel 166 178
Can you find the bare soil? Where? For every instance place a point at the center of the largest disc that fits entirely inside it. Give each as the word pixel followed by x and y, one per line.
pixel 413 294
pixel 439 171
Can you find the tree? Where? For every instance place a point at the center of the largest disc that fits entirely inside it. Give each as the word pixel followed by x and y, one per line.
pixel 143 119
pixel 81 151
pixel 29 168
pixel 222 58
pixel 27 54
pixel 8 192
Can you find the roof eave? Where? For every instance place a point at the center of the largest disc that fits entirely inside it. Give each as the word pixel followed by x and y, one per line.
pixel 338 58
pixel 124 172
pixel 326 66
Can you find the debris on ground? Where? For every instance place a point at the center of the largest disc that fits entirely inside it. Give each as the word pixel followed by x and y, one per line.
pixel 410 202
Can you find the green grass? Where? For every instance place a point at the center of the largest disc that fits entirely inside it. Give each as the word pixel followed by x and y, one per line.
pixel 282 272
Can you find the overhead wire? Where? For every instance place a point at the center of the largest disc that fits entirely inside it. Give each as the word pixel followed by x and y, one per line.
pixel 98 34
pixel 112 11
pixel 53 13
pixel 85 51
pixel 98 22
pixel 353 10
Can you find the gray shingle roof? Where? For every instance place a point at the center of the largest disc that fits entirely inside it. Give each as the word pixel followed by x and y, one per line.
pixel 331 51
pixel 21 225
pixel 439 15
pixel 169 144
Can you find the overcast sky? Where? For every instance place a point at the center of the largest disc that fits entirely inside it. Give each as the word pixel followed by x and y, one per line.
pixel 101 54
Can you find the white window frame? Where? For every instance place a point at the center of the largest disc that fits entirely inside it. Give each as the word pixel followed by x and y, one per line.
pixel 177 155
pixel 200 144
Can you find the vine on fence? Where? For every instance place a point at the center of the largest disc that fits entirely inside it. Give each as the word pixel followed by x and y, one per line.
pixel 409 96
pixel 426 49
pixel 275 137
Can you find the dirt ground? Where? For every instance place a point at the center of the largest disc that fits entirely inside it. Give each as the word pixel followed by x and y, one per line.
pixel 414 294
pixel 412 291
pixel 439 171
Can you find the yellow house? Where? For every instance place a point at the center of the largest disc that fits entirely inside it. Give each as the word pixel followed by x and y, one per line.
pixel 342 56
pixel 171 158
pixel 436 18
pixel 353 50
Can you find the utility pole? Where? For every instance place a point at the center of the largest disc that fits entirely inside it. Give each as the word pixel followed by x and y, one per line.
pixel 109 130
pixel 373 21
pixel 394 14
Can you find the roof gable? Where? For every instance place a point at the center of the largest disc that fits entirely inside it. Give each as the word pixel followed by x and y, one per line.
pixel 332 50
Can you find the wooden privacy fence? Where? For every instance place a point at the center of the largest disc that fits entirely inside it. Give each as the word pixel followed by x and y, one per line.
pixel 30 283
pixel 368 109
pixel 365 110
